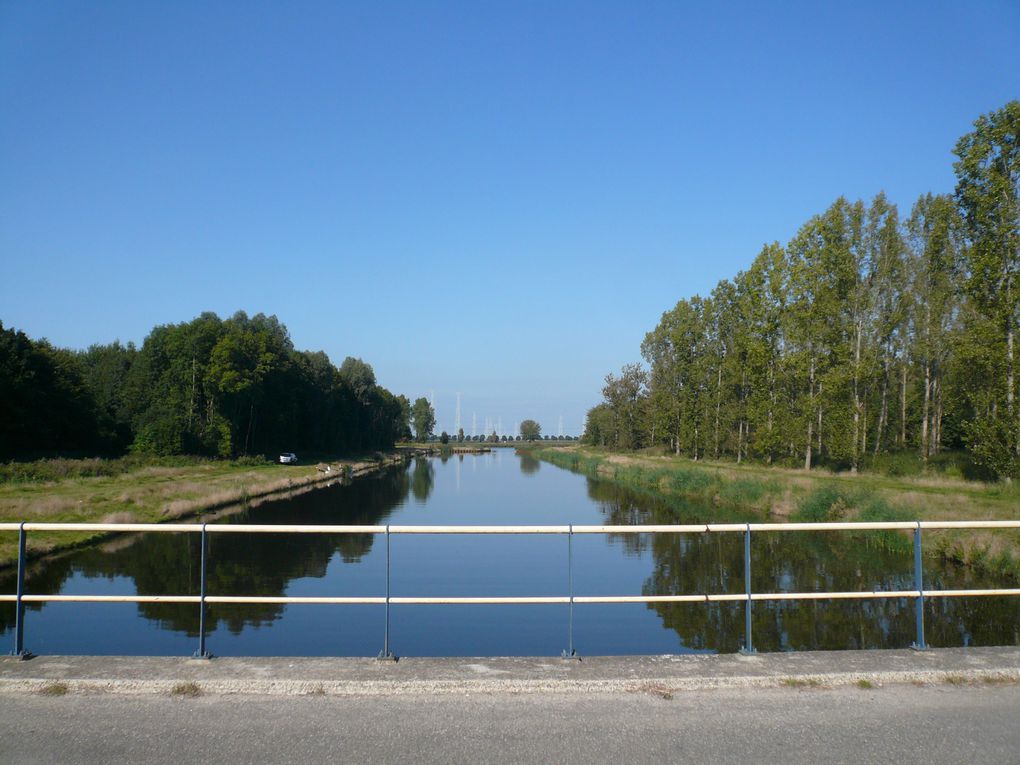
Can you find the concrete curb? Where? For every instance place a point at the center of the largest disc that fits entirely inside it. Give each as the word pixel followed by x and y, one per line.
pixel 657 675
pixel 664 687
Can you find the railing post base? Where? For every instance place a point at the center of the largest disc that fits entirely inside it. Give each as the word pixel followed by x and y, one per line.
pixel 386 656
pixel 916 647
pixel 748 651
pixel 202 653
pixel 23 655
pixel 19 604
pixel 570 654
pixel 919 643
pixel 748 647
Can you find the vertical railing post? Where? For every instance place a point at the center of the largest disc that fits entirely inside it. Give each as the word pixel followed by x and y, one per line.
pixel 202 653
pixel 569 653
pixel 748 645
pixel 386 654
pixel 19 617
pixel 919 644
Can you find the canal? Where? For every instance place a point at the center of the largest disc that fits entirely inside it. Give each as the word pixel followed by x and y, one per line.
pixel 489 489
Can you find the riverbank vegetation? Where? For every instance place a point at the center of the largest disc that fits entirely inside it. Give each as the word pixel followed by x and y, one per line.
pixel 866 342
pixel 211 387
pixel 146 490
pixel 776 494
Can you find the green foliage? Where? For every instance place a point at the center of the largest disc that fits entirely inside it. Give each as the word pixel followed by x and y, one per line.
pixel 858 343
pixel 45 404
pixel 423 419
pixel 824 504
pixel 531 430
pixel 675 480
pixel 988 191
pixel 209 387
pixel 833 502
pixel 61 469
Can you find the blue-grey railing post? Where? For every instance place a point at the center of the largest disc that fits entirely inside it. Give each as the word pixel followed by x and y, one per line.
pixel 19 618
pixel 569 653
pixel 748 645
pixel 201 653
pixel 386 654
pixel 919 644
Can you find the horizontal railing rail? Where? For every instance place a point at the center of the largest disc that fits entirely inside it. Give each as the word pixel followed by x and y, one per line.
pixel 690 528
pixel 20 598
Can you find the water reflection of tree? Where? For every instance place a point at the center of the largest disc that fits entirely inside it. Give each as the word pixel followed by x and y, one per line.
pixel 529 465
pixel 686 564
pixel 239 564
pixel 422 479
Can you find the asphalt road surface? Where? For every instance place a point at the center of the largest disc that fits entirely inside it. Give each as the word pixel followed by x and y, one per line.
pixel 892 724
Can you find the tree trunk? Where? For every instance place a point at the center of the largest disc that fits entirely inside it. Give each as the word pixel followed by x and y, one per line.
pixel 864 431
pixel 924 411
pixel 936 435
pixel 883 411
pixel 191 400
pixel 811 394
pixel 903 406
pixel 772 406
pixel 718 405
pixel 251 425
pixel 857 398
pixel 1009 377
pixel 818 432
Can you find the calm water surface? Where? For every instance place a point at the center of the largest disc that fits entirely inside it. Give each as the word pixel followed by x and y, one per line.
pixel 496 488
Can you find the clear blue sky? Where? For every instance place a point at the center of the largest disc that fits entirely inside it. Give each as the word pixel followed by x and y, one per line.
pixel 494 198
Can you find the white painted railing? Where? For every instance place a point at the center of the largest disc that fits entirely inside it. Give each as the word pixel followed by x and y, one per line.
pixel 748 597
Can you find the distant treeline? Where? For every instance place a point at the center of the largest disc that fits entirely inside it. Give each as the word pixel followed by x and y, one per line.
pixel 209 387
pixel 865 334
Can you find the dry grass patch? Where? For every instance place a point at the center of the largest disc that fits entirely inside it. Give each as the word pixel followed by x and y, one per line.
pixel 801 682
pixel 186 690
pixel 656 689
pixel 164 472
pixel 38 508
pixel 54 689
pixel 1000 680
pixel 121 516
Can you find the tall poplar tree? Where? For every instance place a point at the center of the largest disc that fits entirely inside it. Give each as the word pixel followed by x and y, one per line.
pixel 988 191
pixel 934 238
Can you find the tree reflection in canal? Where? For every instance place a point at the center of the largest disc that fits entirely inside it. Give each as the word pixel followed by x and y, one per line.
pixel 239 564
pixel 422 478
pixel 661 564
pixel 685 564
pixel 529 465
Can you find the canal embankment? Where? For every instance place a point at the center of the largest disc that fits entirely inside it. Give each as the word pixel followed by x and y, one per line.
pixel 763 493
pixel 663 676
pixel 161 493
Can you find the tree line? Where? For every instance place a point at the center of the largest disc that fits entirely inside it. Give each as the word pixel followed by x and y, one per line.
pixel 865 334
pixel 211 386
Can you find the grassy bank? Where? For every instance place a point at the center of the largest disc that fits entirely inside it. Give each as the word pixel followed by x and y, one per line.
pixel 133 490
pixel 779 494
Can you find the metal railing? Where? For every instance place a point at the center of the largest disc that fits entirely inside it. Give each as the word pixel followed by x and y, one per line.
pixel 20 598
